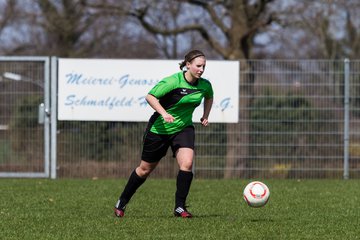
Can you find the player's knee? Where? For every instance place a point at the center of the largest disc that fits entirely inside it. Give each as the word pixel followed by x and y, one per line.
pixel 186 166
pixel 143 171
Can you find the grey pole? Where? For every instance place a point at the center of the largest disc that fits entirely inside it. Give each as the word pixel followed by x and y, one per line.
pixel 53 116
pixel 346 116
pixel 47 116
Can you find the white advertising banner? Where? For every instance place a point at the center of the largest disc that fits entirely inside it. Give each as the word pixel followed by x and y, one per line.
pixel 115 90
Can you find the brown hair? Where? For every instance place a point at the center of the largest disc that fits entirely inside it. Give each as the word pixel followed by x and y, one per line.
pixel 191 56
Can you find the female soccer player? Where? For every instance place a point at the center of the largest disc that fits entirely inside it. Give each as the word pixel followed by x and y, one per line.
pixel 174 100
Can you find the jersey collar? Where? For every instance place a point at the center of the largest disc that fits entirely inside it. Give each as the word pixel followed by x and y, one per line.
pixel 192 84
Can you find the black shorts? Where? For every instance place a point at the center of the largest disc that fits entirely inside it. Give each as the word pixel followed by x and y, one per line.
pixel 156 145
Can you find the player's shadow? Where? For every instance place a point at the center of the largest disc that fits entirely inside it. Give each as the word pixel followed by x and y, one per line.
pixel 209 216
pixel 170 216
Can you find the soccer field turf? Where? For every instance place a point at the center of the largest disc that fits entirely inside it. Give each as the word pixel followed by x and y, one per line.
pixel 83 209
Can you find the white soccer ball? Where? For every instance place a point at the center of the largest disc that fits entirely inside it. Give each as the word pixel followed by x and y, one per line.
pixel 256 194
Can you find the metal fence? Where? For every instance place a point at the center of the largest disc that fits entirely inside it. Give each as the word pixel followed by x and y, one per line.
pixel 24 143
pixel 297 119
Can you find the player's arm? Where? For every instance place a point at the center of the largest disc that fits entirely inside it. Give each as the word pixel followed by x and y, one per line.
pixel 207 108
pixel 155 104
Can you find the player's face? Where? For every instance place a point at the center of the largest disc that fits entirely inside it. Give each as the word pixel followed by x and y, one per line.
pixel 196 67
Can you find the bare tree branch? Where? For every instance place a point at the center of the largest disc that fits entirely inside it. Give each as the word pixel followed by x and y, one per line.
pixel 7 14
pixel 209 7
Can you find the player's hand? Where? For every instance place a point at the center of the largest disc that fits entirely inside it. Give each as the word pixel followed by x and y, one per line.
pixel 204 121
pixel 168 118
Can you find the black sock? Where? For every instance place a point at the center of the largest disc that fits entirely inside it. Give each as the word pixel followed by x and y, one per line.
pixel 132 185
pixel 183 183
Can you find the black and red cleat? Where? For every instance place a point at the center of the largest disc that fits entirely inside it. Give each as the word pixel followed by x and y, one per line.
pixel 182 212
pixel 119 212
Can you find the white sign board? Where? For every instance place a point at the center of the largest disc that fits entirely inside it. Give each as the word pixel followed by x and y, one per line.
pixel 115 90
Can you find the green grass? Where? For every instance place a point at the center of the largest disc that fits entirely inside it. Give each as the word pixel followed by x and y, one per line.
pixel 82 209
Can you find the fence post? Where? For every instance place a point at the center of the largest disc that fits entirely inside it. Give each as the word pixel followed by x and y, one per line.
pixel 346 116
pixel 46 119
pixel 53 115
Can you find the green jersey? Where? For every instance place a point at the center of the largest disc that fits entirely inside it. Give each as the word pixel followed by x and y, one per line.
pixel 179 98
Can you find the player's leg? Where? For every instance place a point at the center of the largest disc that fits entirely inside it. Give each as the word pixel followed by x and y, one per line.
pixel 184 157
pixel 184 178
pixel 154 148
pixel 136 179
pixel 183 146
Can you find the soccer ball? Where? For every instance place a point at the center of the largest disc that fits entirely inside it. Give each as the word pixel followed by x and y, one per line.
pixel 256 194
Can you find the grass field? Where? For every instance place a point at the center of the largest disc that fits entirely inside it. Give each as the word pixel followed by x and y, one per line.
pixel 82 209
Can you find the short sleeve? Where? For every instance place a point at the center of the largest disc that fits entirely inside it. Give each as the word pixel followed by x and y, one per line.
pixel 162 87
pixel 209 93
